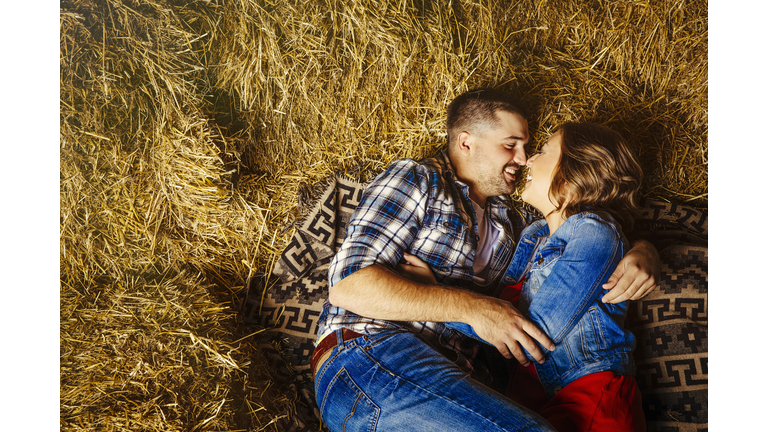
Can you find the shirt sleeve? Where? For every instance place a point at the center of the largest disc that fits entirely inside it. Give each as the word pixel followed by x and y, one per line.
pixel 574 284
pixel 385 222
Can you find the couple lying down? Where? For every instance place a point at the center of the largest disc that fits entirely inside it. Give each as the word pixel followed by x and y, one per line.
pixel 422 283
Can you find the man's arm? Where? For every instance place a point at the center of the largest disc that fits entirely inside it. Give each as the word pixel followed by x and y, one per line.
pixel 377 292
pixel 635 276
pixel 382 228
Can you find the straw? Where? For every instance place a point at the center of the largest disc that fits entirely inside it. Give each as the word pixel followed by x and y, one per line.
pixel 195 134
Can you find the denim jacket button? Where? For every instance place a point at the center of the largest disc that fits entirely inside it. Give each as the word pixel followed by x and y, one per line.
pixel 541 260
pixel 557 389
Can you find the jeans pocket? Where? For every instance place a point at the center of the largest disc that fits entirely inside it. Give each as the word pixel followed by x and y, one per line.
pixel 346 407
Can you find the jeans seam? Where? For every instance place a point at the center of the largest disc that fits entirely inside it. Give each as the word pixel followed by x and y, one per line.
pixel 421 388
pixel 351 412
pixel 360 395
pixel 328 387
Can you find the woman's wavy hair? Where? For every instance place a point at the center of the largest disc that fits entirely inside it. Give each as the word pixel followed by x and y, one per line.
pixel 599 171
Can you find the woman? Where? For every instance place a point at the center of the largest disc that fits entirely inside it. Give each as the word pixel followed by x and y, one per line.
pixel 584 180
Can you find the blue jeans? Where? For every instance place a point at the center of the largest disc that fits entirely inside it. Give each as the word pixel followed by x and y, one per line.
pixel 394 381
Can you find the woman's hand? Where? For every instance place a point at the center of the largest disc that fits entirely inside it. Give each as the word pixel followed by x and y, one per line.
pixel 416 270
pixel 636 275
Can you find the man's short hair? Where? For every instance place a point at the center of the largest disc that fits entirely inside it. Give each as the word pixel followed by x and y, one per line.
pixel 475 110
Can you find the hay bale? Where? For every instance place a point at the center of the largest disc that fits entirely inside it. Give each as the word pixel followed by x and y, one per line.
pixel 193 133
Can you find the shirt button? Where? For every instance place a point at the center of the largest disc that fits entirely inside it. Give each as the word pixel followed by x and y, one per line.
pixel 446 224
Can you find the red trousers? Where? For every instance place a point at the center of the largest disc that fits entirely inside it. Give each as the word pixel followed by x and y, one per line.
pixel 598 402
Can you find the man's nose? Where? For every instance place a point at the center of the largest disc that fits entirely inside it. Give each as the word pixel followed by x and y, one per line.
pixel 519 158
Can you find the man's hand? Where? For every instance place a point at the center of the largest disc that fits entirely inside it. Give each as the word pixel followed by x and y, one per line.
pixel 377 292
pixel 635 276
pixel 497 322
pixel 505 327
pixel 416 270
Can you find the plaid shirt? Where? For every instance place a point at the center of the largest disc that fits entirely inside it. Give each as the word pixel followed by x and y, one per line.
pixel 422 208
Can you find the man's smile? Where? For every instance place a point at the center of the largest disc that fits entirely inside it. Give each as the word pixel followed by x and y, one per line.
pixel 510 171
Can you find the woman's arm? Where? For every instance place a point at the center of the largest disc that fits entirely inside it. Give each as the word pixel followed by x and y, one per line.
pixel 576 279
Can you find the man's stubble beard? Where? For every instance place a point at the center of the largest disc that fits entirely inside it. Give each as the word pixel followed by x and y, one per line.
pixel 491 180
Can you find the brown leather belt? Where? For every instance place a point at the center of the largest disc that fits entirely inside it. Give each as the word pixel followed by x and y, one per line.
pixel 323 349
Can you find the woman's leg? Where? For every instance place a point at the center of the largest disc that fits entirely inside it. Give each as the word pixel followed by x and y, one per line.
pixel 394 381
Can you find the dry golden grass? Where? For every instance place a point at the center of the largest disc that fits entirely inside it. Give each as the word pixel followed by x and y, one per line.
pixel 192 133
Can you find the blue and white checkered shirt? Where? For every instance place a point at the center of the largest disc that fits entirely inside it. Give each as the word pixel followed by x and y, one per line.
pixel 423 209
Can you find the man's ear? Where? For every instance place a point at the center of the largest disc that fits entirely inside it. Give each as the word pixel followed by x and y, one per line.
pixel 464 143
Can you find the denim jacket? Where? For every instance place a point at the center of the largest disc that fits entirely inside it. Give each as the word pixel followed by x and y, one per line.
pixel 562 292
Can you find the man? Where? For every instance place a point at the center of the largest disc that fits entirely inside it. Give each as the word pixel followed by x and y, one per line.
pixel 383 354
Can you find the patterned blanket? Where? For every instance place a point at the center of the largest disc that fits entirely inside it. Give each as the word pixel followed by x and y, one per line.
pixel 290 302
pixel 670 324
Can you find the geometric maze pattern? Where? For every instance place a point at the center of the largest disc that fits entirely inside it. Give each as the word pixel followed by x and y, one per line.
pixel 667 224
pixel 294 295
pixel 670 324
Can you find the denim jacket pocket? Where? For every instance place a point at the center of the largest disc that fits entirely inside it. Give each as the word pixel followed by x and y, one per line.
pixel 542 265
pixel 594 330
pixel 547 256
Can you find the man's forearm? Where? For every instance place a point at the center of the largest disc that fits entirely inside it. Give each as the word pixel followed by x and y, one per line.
pixel 377 292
